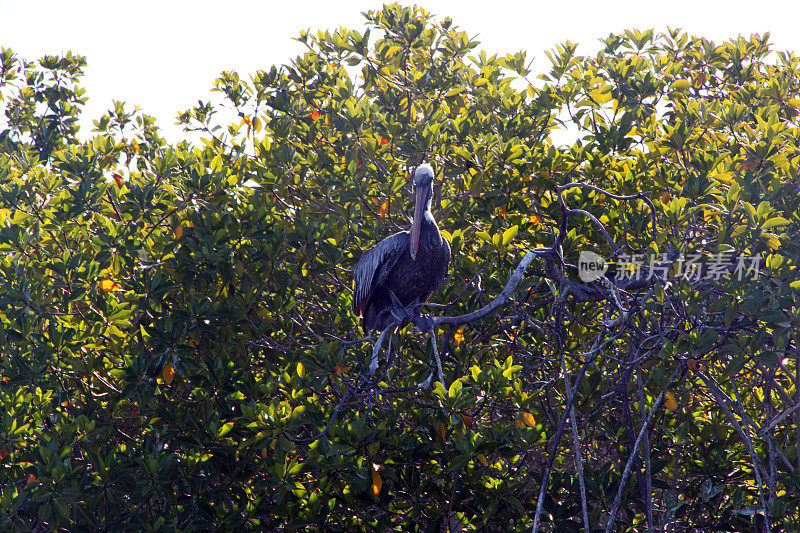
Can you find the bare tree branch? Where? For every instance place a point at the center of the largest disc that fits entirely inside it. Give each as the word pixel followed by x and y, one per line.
pixel 501 298
pixel 627 471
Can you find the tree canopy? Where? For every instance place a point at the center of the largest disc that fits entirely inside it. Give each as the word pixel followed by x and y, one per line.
pixel 179 349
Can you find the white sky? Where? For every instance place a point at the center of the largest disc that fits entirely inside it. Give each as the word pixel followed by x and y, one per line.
pixel 164 55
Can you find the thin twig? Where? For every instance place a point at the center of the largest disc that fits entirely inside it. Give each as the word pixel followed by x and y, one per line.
pixel 552 454
pixel 576 444
pixel 627 471
pixel 786 412
pixel 648 479
pixel 436 356
pixel 373 365
pixel 754 460
pixel 722 401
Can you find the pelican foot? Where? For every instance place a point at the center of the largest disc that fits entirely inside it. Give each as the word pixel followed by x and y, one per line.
pixel 399 313
pixel 405 315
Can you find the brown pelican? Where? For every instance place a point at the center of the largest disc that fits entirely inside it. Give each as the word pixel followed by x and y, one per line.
pixel 409 265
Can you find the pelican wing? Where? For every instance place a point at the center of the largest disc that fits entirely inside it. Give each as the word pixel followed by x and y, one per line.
pixel 374 266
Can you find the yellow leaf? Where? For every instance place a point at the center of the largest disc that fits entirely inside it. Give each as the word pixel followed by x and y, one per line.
pixel 458 336
pixel 301 370
pixel 168 374
pixel 409 108
pixel 179 229
pixel 509 234
pixel 680 85
pixel 392 50
pixel 774 261
pixel 724 177
pixel 377 482
pixel 770 240
pixel 529 420
pixel 601 95
pixel 109 286
pixel 670 402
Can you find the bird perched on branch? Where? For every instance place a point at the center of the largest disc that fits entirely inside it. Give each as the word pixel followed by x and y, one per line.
pixel 409 265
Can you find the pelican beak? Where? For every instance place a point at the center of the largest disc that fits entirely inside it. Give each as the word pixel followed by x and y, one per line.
pixel 416 224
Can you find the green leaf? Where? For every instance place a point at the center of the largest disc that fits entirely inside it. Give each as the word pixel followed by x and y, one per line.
pixel 680 85
pixel 482 235
pixel 455 389
pixel 775 222
pixel 225 429
pixel 724 177
pixel 769 358
pixel 509 234
pixel 771 240
pixel 216 163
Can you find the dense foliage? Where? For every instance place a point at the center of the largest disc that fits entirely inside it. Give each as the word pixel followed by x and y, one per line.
pixel 176 327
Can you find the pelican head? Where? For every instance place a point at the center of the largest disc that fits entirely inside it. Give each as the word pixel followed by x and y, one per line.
pixel 423 185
